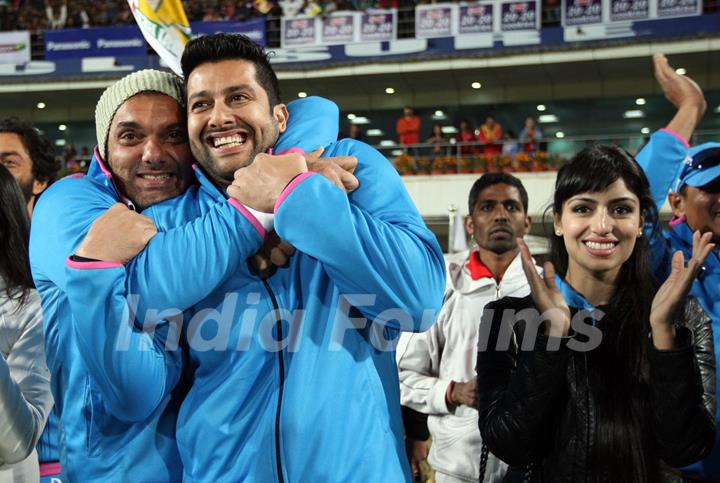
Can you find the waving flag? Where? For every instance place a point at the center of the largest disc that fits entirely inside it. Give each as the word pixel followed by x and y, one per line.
pixel 165 27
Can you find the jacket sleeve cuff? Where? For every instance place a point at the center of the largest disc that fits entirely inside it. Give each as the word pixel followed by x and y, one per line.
pixel 250 217
pixel 80 263
pixel 437 404
pixel 677 136
pixel 290 187
pixel 676 364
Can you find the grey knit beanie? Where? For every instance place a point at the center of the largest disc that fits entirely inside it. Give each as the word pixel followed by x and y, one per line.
pixel 147 80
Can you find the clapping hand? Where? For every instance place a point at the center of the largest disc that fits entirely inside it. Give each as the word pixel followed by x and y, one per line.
pixel 671 295
pixel 546 295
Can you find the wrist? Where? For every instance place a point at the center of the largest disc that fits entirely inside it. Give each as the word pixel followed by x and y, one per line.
pixel 449 394
pixel 663 337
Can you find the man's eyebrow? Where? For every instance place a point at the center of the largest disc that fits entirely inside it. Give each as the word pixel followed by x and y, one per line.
pixel 9 153
pixel 240 87
pixel 129 125
pixel 175 125
pixel 225 91
pixel 198 94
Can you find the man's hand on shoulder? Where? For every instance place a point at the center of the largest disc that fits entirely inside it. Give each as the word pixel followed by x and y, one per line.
pixel 340 170
pixel 118 235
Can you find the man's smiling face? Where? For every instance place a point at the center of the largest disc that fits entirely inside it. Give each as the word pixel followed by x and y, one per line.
pixel 230 120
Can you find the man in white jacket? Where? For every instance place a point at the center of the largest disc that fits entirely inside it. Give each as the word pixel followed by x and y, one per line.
pixel 437 367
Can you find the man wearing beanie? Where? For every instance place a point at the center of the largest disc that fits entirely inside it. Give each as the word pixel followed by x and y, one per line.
pixel 114 379
pixel 294 380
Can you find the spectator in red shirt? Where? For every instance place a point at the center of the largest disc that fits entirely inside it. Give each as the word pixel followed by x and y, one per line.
pixel 530 135
pixel 408 127
pixel 490 135
pixel 465 135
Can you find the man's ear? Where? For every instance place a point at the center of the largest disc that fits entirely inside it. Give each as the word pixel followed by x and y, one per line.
pixel 281 115
pixel 528 225
pixel 677 204
pixel 39 186
pixel 469 225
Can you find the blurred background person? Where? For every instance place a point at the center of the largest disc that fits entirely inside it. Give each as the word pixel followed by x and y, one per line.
pixel 25 399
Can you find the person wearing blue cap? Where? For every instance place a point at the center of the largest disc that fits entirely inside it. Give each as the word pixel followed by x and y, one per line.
pixel 693 177
pixel 696 196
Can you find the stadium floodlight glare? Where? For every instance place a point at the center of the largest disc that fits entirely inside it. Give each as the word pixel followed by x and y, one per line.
pixel 351 116
pixel 634 114
pixel 541 107
pixel 559 134
pixel 60 142
pixel 302 94
pixel 448 129
pixel 375 132
pixel 645 130
pixel 717 110
pixel 547 118
pixel 41 105
pixel 680 71
pixel 62 127
pixel 360 120
pixel 397 152
pixel 389 90
pixel 439 113
pixel 476 85
pixel 387 142
pixel 640 101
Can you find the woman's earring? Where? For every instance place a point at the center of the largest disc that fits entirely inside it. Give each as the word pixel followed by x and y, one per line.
pixel 558 232
pixel 639 233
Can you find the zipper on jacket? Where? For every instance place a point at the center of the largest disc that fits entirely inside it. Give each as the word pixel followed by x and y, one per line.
pixel 281 368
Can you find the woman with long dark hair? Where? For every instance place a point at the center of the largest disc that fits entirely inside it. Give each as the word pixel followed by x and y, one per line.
pixel 598 374
pixel 25 399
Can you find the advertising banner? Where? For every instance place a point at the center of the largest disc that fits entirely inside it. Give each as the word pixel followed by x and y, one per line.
pixel 581 12
pixel 339 28
pixel 378 25
pixel 94 42
pixel 15 47
pixel 299 31
pixel 254 29
pixel 678 8
pixel 520 16
pixel 475 18
pixel 434 21
pixel 629 10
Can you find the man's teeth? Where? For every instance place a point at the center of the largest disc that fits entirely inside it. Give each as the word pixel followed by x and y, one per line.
pixel 155 177
pixel 600 246
pixel 234 140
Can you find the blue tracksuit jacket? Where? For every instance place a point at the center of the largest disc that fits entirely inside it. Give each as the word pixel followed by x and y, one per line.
pixel 118 396
pixel 294 378
pixel 661 159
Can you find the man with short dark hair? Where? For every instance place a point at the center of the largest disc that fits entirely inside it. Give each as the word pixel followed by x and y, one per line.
pixel 29 156
pixel 437 367
pixel 327 386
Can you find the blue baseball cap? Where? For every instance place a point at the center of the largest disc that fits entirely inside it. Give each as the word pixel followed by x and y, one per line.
pixel 701 166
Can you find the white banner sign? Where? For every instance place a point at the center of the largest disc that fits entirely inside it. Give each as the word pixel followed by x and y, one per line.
pixel 15 47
